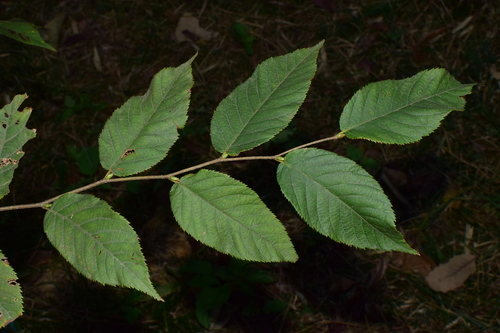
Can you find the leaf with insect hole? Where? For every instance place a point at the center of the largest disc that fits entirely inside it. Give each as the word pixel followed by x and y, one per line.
pixel 11 301
pixel 14 135
pixel 23 32
pixel 140 133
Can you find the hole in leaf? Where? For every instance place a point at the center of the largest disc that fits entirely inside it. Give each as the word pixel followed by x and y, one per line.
pixel 128 152
pixel 20 35
pixel 4 125
pixel 17 122
pixel 7 161
pixel 13 282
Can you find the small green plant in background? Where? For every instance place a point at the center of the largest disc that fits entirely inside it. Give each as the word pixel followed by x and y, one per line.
pixel 333 194
pixel 240 33
pixel 218 286
pixel 357 155
pixel 78 105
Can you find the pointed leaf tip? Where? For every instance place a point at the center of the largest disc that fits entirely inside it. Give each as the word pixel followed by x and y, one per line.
pixel 262 106
pixel 340 200
pixel 225 214
pixel 403 111
pixel 24 32
pixel 98 242
pixel 140 133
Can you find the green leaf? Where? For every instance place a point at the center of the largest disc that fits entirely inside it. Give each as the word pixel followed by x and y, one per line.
pixel 240 33
pixel 23 32
pixel 403 111
pixel 87 159
pixel 262 106
pixel 140 133
pixel 11 300
pixel 13 135
pixel 225 214
pixel 98 242
pixel 339 199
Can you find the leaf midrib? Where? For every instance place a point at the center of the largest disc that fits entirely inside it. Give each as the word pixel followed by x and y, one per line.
pixel 338 198
pixel 84 231
pixel 145 123
pixel 245 125
pixel 402 107
pixel 267 241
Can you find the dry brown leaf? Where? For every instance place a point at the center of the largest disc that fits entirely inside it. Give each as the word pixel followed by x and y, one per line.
pixel 495 73
pixel 410 262
pixel 396 177
pixel 452 197
pixel 188 29
pixel 53 30
pixel 451 275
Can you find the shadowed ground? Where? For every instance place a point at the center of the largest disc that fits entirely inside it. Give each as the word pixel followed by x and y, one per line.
pixel 444 188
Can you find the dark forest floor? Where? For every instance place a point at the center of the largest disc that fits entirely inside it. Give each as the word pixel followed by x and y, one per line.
pixel 444 188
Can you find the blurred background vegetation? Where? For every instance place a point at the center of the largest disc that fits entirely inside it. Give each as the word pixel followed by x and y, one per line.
pixel 444 189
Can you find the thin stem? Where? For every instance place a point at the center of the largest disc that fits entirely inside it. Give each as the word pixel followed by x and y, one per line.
pixel 335 137
pixel 168 176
